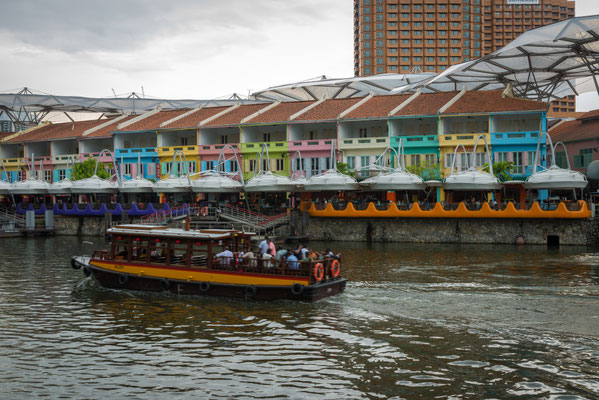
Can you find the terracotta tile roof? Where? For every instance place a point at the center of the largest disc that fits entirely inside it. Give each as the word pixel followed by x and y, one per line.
pixel 4 135
pixel 590 114
pixel 426 104
pixel 378 106
pixel 65 130
pixel 575 130
pixel 327 110
pixel 107 130
pixel 194 119
pixel 281 112
pixel 492 101
pixel 153 121
pixel 234 117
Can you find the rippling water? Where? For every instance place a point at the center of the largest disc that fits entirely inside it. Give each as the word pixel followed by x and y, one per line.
pixel 416 321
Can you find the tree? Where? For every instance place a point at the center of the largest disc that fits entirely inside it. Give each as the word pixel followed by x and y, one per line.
pixel 86 170
pixel 344 169
pixel 501 170
pixel 426 171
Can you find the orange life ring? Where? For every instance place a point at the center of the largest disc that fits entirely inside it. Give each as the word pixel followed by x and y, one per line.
pixel 335 268
pixel 318 272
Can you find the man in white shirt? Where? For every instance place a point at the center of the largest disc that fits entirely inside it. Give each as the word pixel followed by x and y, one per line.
pixel 264 245
pixel 225 258
pixel 267 259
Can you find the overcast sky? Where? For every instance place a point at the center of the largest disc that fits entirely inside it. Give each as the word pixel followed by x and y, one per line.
pixel 181 49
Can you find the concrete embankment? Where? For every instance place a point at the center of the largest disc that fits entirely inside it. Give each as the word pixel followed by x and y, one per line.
pixel 446 230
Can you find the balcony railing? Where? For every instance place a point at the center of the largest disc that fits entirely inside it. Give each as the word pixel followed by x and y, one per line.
pixel 145 151
pixel 416 140
pixel 514 137
pixel 170 150
pixel 308 145
pixel 358 143
pixel 216 148
pixel 544 209
pixel 255 147
pixel 466 139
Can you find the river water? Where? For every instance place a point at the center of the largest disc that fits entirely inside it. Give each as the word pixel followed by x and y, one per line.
pixel 416 321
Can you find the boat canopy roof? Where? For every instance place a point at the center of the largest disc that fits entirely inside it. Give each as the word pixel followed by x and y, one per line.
pixel 161 231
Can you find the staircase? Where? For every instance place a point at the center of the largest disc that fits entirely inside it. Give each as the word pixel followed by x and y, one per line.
pixel 162 217
pixel 10 221
pixel 250 218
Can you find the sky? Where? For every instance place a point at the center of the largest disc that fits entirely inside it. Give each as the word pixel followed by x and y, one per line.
pixel 195 49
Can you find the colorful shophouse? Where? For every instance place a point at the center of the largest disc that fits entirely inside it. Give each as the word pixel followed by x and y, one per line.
pixel 308 143
pixel 135 141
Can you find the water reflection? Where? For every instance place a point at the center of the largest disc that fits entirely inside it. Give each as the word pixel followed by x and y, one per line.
pixel 417 321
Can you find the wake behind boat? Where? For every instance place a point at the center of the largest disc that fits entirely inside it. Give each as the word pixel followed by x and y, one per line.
pixel 206 262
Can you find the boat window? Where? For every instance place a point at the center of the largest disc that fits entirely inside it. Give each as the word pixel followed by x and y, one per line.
pixel 178 252
pixel 158 250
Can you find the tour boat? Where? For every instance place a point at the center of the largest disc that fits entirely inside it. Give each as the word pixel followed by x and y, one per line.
pixel 161 259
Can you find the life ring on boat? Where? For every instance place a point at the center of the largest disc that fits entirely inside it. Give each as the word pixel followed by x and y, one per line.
pixel 250 292
pixel 87 271
pixel 204 287
pixel 75 264
pixel 335 268
pixel 318 272
pixel 123 279
pixel 297 289
pixel 164 284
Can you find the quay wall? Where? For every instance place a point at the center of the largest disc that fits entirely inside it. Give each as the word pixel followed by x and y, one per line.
pixel 451 230
pixel 82 226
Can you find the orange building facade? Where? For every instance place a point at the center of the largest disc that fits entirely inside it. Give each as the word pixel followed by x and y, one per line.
pixel 405 36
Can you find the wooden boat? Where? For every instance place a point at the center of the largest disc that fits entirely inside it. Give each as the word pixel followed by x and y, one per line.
pixel 160 259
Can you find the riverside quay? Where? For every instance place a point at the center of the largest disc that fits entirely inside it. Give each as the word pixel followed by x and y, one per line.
pixel 409 155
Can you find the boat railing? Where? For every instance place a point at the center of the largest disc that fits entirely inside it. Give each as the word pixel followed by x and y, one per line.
pixel 272 266
pixel 101 255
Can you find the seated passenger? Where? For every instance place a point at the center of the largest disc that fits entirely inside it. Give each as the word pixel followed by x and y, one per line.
pixel 225 257
pixel 267 259
pixel 281 254
pixel 292 262
pixel 250 258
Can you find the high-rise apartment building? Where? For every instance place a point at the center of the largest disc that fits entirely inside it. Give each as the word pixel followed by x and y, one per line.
pixel 402 36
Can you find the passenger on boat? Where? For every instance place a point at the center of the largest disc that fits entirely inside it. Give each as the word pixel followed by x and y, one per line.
pixel 225 257
pixel 281 254
pixel 267 259
pixel 292 262
pixel 329 254
pixel 264 245
pixel 250 258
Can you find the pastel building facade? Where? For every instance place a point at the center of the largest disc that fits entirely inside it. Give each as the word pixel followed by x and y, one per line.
pixel 298 135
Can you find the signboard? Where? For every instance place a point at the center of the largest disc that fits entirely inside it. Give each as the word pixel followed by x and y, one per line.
pixel 522 1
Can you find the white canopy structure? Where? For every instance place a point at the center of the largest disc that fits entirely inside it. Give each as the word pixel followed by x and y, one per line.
pixel 554 177
pixel 324 87
pixel 331 180
pixel 266 181
pixel 396 178
pixel 95 184
pixel 217 181
pixel 472 179
pixel 549 62
pixel 64 185
pixel 28 107
pixel 139 184
pixel 31 185
pixel 175 184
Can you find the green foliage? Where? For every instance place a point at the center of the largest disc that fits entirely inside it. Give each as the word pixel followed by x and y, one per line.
pixel 501 170
pixel 86 170
pixel 344 169
pixel 427 171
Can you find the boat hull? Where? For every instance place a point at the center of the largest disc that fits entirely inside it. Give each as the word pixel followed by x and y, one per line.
pixel 309 293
